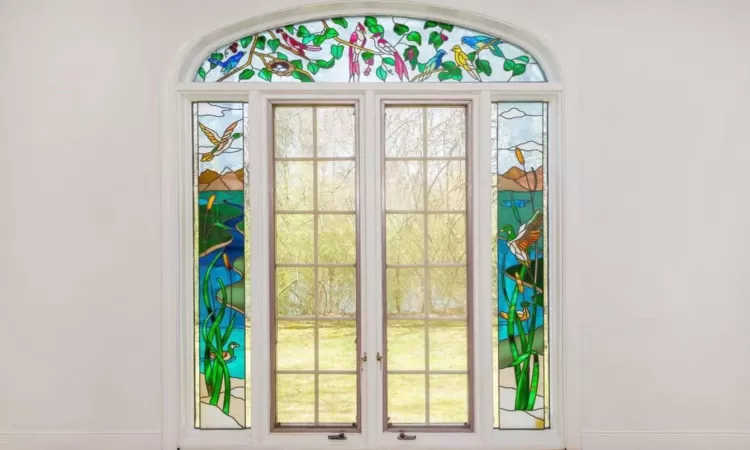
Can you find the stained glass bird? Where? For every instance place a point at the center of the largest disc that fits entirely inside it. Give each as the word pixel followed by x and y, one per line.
pixel 220 144
pixel 386 47
pixel 357 38
pixel 435 62
pixel 528 235
pixel 296 45
pixel 227 355
pixel 479 42
pixel 229 63
pixel 522 315
pixel 462 61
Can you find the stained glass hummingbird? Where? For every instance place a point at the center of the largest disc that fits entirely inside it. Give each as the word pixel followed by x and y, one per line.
pixel 528 235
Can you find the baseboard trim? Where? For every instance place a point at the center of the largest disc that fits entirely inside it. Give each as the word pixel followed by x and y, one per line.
pixel 80 441
pixel 664 440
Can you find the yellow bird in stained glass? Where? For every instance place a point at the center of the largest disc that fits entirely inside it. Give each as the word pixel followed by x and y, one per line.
pixel 463 61
pixel 220 144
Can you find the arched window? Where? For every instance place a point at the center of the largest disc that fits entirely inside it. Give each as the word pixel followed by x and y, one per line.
pixel 370 48
pixel 368 252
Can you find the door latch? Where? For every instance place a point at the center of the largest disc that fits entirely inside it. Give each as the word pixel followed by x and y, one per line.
pixel 406 437
pixel 337 437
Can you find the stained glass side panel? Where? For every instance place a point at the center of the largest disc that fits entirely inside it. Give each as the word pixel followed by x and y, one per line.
pixel 222 325
pixel 519 151
pixel 370 49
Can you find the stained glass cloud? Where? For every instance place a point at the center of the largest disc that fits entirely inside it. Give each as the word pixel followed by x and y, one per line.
pixel 370 49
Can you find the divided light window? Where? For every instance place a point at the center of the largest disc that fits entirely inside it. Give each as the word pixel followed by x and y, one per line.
pixel 315 315
pixel 427 298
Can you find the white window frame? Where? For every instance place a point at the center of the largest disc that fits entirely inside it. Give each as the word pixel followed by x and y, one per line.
pixel 177 237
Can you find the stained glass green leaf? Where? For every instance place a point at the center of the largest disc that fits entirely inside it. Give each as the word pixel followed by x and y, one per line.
pixel 302 31
pixel 260 43
pixel 302 76
pixel 415 37
pixel 400 29
pixel 449 65
pixel 424 45
pixel 337 51
pixel 381 73
pixel 331 33
pixel 483 66
pixel 340 21
pixel 247 74
pixel 319 39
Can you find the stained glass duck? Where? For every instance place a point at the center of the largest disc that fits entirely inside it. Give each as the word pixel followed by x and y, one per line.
pixel 220 144
pixel 227 355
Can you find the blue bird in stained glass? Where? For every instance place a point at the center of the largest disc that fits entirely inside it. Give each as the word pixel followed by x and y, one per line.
pixel 480 42
pixel 435 62
pixel 230 63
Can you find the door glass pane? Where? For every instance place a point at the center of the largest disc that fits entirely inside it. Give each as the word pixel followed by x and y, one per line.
pixel 426 263
pixel 315 258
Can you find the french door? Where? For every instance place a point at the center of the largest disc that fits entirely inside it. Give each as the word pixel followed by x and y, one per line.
pixel 361 263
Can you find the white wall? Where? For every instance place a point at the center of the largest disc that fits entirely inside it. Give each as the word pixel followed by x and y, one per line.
pixel 656 205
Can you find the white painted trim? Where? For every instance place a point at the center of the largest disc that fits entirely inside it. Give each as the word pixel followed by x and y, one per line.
pixel 81 441
pixel 395 88
pixel 664 440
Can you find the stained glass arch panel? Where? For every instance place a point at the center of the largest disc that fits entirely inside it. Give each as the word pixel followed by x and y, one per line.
pixel 370 49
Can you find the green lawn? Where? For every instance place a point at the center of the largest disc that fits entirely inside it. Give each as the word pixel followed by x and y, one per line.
pixel 406 351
